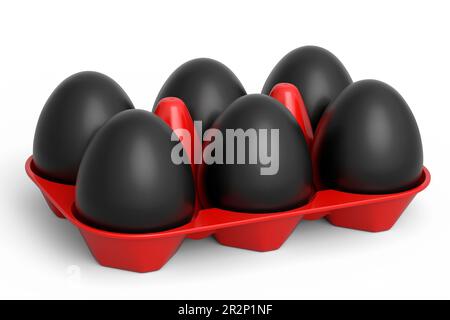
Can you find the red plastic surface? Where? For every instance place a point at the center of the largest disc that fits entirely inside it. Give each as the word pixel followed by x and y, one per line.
pixel 260 232
pixel 174 112
pixel 291 98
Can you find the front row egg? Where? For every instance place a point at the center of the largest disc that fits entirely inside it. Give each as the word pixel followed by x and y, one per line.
pixel 368 142
pixel 127 181
pixel 264 165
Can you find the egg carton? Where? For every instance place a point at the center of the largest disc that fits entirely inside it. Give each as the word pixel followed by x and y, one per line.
pixel 147 252
pixel 259 232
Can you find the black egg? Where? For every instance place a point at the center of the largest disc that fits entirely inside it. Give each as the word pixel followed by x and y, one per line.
pixel 316 72
pixel 286 182
pixel 368 141
pixel 76 109
pixel 206 86
pixel 127 181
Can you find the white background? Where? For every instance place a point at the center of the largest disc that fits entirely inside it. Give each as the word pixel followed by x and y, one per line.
pixel 139 43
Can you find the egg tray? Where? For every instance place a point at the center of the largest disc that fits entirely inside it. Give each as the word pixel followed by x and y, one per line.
pixel 259 232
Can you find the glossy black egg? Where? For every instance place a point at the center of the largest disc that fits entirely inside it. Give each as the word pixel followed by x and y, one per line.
pixel 206 86
pixel 316 72
pixel 76 109
pixel 368 141
pixel 286 184
pixel 127 181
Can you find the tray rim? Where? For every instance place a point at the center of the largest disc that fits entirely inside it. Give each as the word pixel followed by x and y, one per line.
pixel 246 218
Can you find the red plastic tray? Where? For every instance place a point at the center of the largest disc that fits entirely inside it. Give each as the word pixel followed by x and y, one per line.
pixel 260 232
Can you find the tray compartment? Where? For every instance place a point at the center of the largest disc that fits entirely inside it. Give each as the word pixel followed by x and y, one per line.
pixel 375 217
pixel 259 236
pixel 138 255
